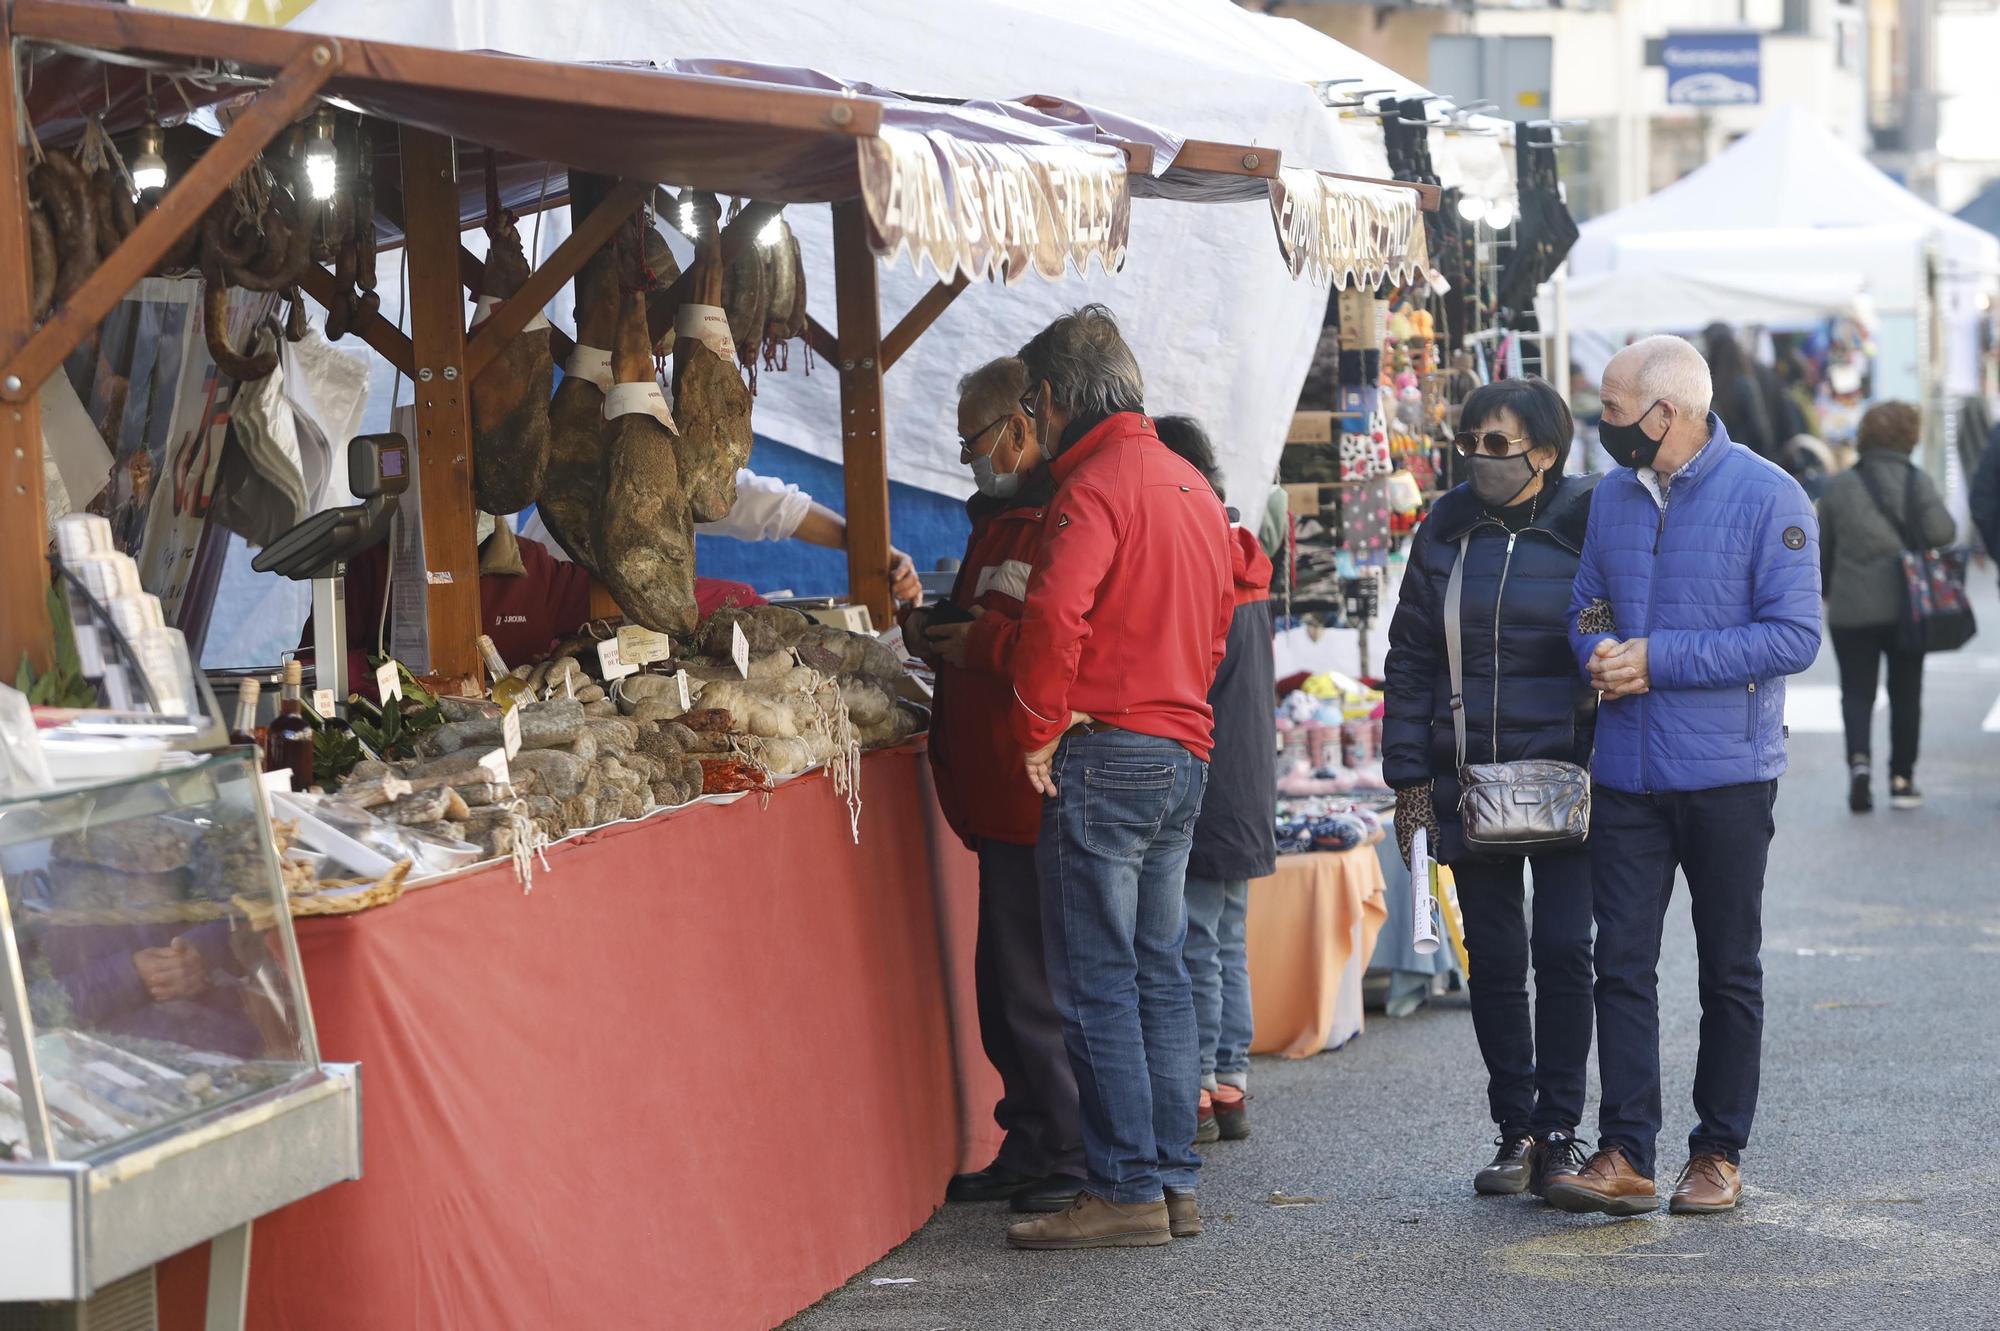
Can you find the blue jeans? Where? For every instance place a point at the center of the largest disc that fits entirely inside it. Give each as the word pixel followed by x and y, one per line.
pixel 1219 970
pixel 1112 861
pixel 1720 839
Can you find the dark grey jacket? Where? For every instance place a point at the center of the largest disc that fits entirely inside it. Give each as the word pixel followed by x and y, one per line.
pixel 1860 549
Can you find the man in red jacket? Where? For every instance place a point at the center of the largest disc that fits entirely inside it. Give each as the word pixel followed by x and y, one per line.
pixel 984 792
pixel 1127 615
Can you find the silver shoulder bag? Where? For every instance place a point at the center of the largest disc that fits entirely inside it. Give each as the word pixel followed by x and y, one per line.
pixel 1515 808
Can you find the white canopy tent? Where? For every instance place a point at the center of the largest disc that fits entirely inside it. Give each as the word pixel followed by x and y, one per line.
pixel 1221 328
pixel 1789 225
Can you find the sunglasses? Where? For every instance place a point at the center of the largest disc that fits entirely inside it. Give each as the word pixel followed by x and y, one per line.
pixel 967 443
pixel 1494 444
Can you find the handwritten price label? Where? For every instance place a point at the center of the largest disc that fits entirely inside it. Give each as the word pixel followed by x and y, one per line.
pixel 612 662
pixel 388 682
pixel 739 650
pixel 510 731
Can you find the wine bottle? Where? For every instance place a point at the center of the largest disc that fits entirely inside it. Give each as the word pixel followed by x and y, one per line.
pixel 288 743
pixel 506 689
pixel 245 729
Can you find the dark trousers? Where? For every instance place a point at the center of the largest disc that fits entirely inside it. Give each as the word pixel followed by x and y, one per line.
pixel 1018 1023
pixel 1860 653
pixel 1720 838
pixel 1535 1072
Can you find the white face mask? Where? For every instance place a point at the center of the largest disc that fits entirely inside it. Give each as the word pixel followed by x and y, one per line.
pixel 996 484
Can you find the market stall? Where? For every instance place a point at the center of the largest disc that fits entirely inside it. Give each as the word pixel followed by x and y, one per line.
pixel 1312 928
pixel 815 958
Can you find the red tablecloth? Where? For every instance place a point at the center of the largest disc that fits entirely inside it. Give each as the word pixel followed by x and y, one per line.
pixel 710 1067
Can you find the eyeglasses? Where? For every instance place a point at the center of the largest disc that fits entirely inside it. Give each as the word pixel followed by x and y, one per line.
pixel 1028 400
pixel 968 442
pixel 1491 442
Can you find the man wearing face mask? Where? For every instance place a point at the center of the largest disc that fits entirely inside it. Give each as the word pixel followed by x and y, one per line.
pixel 1704 557
pixel 983 790
pixel 1517 527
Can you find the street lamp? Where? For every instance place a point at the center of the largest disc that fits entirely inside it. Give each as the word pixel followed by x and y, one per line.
pixel 1471 207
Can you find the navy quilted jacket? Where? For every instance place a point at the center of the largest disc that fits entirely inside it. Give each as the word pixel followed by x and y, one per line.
pixel 1522 696
pixel 1723 582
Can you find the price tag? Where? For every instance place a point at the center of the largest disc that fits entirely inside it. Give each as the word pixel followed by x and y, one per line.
pixel 681 681
pixel 1436 281
pixel 388 682
pixel 642 646
pixel 494 766
pixel 510 731
pixel 612 664
pixel 323 702
pixel 739 649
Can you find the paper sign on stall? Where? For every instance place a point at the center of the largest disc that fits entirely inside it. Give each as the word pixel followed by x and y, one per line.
pixel 388 682
pixel 510 731
pixel 323 702
pixel 639 646
pixel 494 767
pixel 1423 883
pixel 739 650
pixel 612 663
pixel 681 682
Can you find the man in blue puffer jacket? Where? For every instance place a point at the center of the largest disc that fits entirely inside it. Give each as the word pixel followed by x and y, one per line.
pixel 1703 560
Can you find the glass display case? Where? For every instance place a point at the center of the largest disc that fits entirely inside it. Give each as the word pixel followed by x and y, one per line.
pixel 160 1079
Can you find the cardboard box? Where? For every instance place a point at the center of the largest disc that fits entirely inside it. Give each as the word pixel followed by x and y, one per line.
pixel 853 618
pixel 1311 427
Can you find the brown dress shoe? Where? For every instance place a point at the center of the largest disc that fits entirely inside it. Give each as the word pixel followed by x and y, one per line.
pixel 1710 1184
pixel 1095 1223
pixel 1607 1183
pixel 1183 1216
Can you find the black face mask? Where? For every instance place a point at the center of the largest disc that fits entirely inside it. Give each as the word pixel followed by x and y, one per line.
pixel 1628 445
pixel 1498 482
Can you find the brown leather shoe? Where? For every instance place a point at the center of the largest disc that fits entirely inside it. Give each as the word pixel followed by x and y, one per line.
pixel 1709 1185
pixel 1183 1216
pixel 1095 1223
pixel 1607 1183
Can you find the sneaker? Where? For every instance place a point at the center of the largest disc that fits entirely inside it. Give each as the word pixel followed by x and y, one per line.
pixel 1095 1223
pixel 1860 799
pixel 1232 1115
pixel 1507 1176
pixel 1903 793
pixel 1206 1129
pixel 1556 1154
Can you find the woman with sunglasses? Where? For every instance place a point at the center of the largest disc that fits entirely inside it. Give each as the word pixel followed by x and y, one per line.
pixel 1519 523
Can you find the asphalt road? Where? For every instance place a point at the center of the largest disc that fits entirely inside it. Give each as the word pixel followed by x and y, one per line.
pixel 1874 1182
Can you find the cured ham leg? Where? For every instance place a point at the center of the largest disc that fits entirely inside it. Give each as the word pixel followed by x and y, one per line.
pixel 510 400
pixel 712 407
pixel 573 486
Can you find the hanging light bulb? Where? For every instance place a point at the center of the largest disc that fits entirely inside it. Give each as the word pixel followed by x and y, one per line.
pixel 773 232
pixel 149 168
pixel 321 164
pixel 1500 214
pixel 1471 207
pixel 685 216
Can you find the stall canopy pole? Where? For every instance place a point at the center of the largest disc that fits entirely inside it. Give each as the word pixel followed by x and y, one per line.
pixel 443 405
pixel 864 453
pixel 24 578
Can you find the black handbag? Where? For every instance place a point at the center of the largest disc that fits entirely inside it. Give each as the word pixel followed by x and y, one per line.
pixel 1936 613
pixel 1512 808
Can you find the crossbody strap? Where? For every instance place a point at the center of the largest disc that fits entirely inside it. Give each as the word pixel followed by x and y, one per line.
pixel 1901 528
pixel 1454 604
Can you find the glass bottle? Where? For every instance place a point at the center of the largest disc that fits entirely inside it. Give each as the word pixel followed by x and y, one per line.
pixel 288 743
pixel 244 731
pixel 506 690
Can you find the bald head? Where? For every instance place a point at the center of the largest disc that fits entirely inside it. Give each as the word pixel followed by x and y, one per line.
pixel 1659 369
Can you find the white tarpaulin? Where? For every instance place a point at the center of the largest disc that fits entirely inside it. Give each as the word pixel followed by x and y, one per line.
pixel 1220 327
pixel 1789 224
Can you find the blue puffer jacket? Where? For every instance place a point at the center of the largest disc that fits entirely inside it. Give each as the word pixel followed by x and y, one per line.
pixel 1723 582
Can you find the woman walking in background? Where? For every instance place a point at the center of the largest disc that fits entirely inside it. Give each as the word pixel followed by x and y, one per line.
pixel 1518 523
pixel 1235 838
pixel 1868 516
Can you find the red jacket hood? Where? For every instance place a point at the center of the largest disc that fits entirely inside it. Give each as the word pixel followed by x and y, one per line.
pixel 1249 566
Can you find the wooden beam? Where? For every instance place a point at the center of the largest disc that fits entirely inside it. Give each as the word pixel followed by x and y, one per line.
pixel 512 315
pixel 180 209
pixel 443 406
pixel 24 575
pixel 822 341
pixel 1233 159
pixel 471 268
pixel 863 450
pixel 1427 195
pixel 921 316
pixel 383 337
pixel 557 87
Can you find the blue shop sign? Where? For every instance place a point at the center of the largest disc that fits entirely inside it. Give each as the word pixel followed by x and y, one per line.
pixel 1714 68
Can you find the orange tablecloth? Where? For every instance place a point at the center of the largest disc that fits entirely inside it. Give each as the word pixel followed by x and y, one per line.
pixel 1311 930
